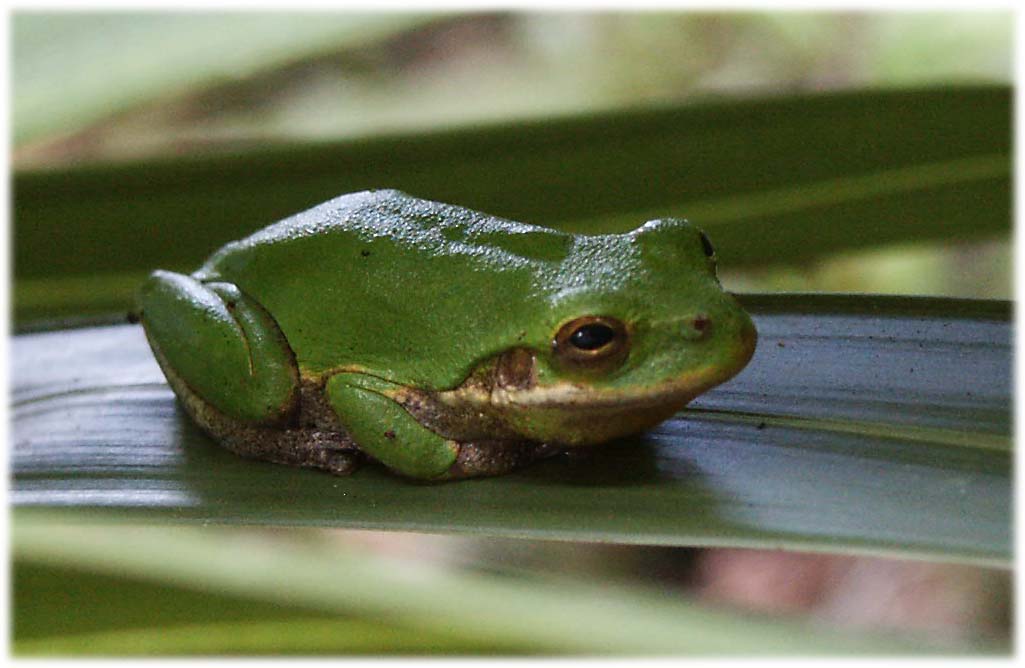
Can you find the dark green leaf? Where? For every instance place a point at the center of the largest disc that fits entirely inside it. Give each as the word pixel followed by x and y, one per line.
pixel 862 425
pixel 61 611
pixel 773 181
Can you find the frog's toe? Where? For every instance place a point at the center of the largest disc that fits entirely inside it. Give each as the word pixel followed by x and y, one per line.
pixel 491 458
pixel 222 345
pixel 341 462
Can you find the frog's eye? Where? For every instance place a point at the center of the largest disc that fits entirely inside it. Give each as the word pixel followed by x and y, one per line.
pixel 594 336
pixel 707 245
pixel 591 342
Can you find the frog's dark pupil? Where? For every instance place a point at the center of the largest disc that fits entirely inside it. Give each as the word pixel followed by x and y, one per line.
pixel 592 337
pixel 707 245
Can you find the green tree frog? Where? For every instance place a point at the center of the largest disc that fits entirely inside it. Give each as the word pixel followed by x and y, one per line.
pixel 443 342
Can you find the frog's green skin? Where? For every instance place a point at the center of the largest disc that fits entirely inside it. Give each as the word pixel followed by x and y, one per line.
pixel 423 334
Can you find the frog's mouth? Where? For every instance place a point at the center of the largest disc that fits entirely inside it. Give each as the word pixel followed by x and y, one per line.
pixel 575 413
pixel 569 395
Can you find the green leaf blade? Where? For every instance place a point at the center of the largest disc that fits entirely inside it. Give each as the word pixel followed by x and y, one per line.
pixel 806 175
pixel 866 431
pixel 485 612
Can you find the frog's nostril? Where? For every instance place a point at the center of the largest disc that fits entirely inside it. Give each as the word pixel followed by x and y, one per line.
pixel 697 328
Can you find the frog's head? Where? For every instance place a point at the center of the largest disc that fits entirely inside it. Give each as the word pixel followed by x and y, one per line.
pixel 634 326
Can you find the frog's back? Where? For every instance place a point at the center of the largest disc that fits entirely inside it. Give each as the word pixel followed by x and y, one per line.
pixel 382 279
pixel 347 220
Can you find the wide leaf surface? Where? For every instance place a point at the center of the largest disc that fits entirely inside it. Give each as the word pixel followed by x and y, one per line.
pixel 862 424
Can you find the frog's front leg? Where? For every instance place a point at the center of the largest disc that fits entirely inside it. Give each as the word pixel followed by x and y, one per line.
pixel 234 372
pixel 384 429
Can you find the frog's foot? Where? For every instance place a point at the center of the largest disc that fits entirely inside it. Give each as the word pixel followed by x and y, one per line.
pixel 222 346
pixel 490 458
pixel 311 444
pixel 306 447
pixel 333 452
pixel 232 369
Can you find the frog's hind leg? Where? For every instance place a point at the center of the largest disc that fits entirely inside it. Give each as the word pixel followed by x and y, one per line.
pixel 308 444
pixel 223 345
pixel 234 372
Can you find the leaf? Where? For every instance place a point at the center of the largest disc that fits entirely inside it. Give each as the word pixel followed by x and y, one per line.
pixel 60 611
pixel 110 61
pixel 300 636
pixel 863 424
pixel 774 181
pixel 536 615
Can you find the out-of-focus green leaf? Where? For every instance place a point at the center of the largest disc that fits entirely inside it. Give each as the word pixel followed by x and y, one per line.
pixel 38 302
pixel 72 68
pixel 861 425
pixel 61 611
pixel 773 181
pixel 302 636
pixel 539 615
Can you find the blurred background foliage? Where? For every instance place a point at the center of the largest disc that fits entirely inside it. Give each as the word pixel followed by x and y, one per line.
pixel 152 84
pixel 111 88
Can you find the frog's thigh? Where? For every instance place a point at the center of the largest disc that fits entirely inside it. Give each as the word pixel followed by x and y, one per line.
pixel 223 345
pixel 385 430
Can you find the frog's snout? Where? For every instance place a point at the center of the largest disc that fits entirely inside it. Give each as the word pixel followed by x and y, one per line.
pixel 741 326
pixel 700 326
pixel 748 340
pixel 748 334
pixel 734 331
